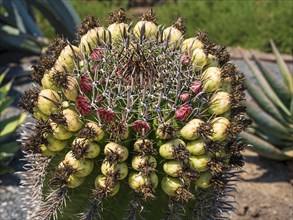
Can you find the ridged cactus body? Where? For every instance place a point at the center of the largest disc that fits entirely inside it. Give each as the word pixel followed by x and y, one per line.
pixel 149 128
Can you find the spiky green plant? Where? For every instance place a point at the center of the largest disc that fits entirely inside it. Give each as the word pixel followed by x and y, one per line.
pixel 133 122
pixel 8 125
pixel 270 106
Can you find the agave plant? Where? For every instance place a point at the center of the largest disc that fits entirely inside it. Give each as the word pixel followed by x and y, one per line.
pixel 270 106
pixel 133 122
pixel 7 127
pixel 18 28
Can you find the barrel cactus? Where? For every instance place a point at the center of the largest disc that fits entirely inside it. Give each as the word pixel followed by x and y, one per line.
pixel 131 122
pixel 270 106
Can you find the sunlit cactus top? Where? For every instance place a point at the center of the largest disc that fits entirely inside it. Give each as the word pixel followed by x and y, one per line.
pixel 133 120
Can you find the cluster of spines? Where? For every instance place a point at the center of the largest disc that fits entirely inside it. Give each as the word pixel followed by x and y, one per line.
pixel 151 86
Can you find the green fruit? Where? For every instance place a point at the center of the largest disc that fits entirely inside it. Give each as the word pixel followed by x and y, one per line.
pixel 73 122
pixel 190 44
pixel 55 144
pixel 204 180
pixel 219 103
pixel 92 149
pixel 100 182
pixel 122 151
pixel 59 131
pixel 117 31
pixel 73 181
pixel 46 152
pixel 170 185
pixel 138 162
pixel 97 130
pixel 47 81
pixel 220 127
pixel 120 169
pixel 83 167
pixel 190 130
pixel 173 168
pixel 211 79
pixel 200 163
pixel 173 35
pixel 168 149
pixel 149 27
pixel 66 59
pixel 48 101
pixel 196 147
pixel 136 180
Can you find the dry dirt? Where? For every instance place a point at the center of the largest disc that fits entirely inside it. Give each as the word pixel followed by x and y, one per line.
pixel 265 191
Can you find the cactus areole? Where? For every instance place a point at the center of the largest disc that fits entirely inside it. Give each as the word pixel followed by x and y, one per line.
pixel 126 144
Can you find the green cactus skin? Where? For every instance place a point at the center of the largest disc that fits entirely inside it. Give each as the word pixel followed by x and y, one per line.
pixel 129 151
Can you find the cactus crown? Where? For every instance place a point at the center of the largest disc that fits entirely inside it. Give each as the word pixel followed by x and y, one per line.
pixel 156 106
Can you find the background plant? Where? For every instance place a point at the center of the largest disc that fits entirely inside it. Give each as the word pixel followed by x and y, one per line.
pixel 270 106
pixel 19 23
pixel 7 127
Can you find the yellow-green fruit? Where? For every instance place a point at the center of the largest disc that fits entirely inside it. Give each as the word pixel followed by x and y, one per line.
pixel 73 181
pixel 141 161
pixel 47 81
pixel 65 61
pixel 92 149
pixel 150 29
pixel 173 35
pixel 92 38
pixel 204 179
pixel 170 185
pixel 191 44
pixel 199 59
pixel 46 152
pixel 190 130
pixel 100 182
pixel 40 115
pixel 117 30
pixel 173 168
pixel 73 122
pixel 219 103
pixel 211 79
pixel 83 167
pixel 120 169
pixel 48 101
pixel 142 142
pixel 220 126
pixel 55 144
pixel 168 149
pixel 136 180
pixel 213 61
pixel 196 147
pixel 116 148
pixel 59 131
pixel 71 92
pixel 200 162
pixel 161 132
pixel 95 127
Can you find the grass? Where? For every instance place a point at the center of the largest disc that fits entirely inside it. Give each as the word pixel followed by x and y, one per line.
pixel 245 23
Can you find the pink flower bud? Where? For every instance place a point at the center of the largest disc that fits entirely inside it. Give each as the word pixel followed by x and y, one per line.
pixel 82 104
pixel 99 98
pixel 94 68
pixel 196 87
pixel 184 96
pixel 140 125
pixel 106 115
pixel 183 112
pixel 85 84
pixel 185 59
pixel 97 54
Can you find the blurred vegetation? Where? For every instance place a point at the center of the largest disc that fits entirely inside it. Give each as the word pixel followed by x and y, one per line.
pixel 8 126
pixel 245 23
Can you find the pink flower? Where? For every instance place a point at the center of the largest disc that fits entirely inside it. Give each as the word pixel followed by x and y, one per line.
pixel 106 115
pixel 196 87
pixel 85 84
pixel 97 54
pixel 184 96
pixel 140 125
pixel 82 104
pixel 185 59
pixel 183 112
